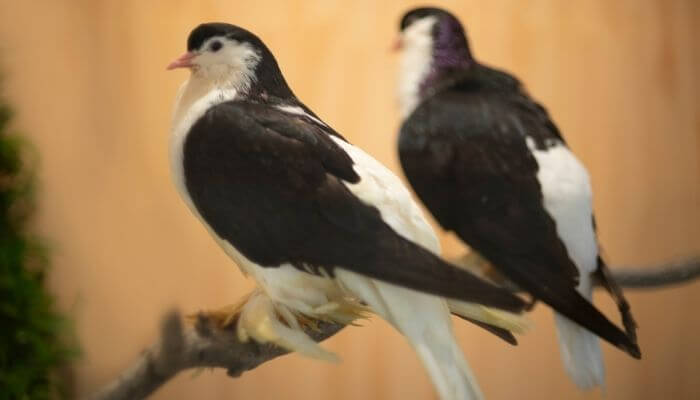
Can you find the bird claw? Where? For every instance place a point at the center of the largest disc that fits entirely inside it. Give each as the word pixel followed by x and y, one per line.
pixel 223 317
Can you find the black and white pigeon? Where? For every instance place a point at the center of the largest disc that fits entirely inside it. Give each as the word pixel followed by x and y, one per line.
pixel 491 166
pixel 325 230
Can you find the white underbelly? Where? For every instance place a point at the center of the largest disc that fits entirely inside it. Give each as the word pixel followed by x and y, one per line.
pixel 302 291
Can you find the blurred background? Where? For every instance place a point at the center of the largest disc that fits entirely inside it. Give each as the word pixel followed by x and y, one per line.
pixel 88 81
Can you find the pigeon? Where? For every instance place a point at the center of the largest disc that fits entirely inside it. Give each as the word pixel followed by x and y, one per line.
pixel 325 230
pixel 491 166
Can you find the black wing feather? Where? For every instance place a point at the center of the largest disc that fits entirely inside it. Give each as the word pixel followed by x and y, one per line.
pixel 464 152
pixel 271 184
pixel 503 334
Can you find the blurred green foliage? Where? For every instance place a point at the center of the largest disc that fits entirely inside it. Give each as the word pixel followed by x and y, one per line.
pixel 33 342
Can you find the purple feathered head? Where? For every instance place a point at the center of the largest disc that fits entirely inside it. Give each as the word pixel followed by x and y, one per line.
pixel 450 46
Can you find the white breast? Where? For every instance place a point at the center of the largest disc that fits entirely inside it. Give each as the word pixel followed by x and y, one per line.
pixel 568 199
pixel 193 99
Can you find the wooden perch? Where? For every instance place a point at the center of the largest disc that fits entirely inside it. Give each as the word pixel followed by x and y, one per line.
pixel 203 345
pixel 206 345
pixel 673 273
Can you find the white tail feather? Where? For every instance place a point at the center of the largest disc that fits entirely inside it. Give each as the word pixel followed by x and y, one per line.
pixel 580 352
pixel 425 321
pixel 580 349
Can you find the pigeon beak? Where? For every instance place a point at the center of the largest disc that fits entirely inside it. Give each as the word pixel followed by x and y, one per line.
pixel 184 61
pixel 396 45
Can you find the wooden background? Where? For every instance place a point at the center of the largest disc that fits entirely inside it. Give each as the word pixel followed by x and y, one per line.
pixel 89 82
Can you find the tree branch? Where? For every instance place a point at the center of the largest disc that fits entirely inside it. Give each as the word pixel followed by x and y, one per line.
pixel 203 345
pixel 206 345
pixel 653 277
pixel 656 277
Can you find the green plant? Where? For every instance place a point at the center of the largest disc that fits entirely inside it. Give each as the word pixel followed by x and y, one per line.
pixel 33 341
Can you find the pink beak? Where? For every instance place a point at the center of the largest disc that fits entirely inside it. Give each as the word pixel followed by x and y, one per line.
pixel 396 45
pixel 184 61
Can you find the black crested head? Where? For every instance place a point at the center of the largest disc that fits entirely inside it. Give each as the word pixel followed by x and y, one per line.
pixel 268 79
pixel 450 45
pixel 206 31
pixel 415 14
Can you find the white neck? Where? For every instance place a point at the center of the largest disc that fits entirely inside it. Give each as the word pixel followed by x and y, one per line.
pixel 218 77
pixel 415 63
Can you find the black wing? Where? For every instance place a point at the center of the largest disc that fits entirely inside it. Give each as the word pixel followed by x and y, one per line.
pixel 464 152
pixel 273 185
pixel 503 334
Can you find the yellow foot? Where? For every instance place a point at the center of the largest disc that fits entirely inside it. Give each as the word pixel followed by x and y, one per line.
pixel 224 316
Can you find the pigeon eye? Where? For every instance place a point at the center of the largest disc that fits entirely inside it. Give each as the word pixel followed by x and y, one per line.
pixel 215 46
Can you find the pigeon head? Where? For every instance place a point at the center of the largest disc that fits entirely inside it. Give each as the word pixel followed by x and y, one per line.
pixel 432 43
pixel 227 55
pixel 440 32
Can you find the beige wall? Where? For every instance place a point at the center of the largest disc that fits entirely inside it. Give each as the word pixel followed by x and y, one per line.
pixel 88 79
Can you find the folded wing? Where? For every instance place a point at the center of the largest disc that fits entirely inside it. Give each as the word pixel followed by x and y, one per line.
pixel 273 186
